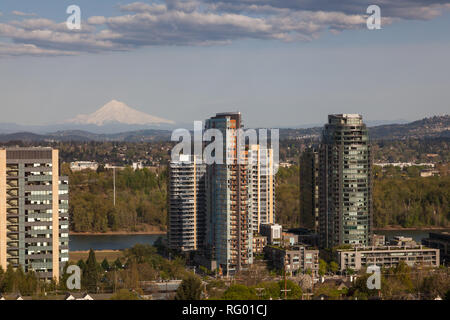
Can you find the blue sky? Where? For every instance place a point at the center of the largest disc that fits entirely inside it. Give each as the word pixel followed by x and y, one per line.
pixel 281 63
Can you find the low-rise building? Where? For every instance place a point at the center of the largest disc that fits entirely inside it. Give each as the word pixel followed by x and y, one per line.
pixel 378 240
pixel 272 232
pixel 293 259
pixel 429 173
pixel 259 242
pixel 402 241
pixel 289 239
pixel 83 165
pixel 386 256
pixel 441 241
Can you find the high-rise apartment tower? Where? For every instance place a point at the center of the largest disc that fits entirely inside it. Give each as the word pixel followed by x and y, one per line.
pixel 187 203
pixel 345 182
pixel 229 219
pixel 34 218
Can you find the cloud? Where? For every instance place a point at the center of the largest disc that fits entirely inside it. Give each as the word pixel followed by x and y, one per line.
pixel 205 23
pixel 405 9
pixel 23 14
pixel 8 50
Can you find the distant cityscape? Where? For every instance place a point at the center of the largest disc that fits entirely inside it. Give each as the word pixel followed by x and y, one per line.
pixel 222 222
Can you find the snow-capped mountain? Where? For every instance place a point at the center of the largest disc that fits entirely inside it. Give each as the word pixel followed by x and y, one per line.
pixel 118 112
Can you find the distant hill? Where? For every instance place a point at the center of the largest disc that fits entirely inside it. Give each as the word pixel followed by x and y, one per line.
pixel 433 127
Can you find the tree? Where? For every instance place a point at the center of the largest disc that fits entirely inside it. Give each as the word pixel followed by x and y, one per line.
pixel 294 293
pixel 190 289
pixel 117 264
pixel 447 295
pixel 105 265
pixel 91 276
pixel 322 267
pixel 82 265
pixel 333 267
pixel 240 292
pixel 124 294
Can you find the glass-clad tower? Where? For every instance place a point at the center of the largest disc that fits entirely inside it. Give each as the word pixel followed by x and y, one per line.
pixel 345 182
pixel 229 220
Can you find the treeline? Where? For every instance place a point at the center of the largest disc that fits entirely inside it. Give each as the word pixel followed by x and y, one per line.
pixel 412 202
pixel 140 200
pixel 139 263
pixel 401 198
pixel 287 196
pixel 14 281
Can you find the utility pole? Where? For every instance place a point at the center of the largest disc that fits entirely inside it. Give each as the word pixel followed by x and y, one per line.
pixel 285 282
pixel 114 183
pixel 259 292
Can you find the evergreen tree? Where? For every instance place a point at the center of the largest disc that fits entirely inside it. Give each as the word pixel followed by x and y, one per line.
pixel 91 276
pixel 117 264
pixel 190 289
pixel 105 265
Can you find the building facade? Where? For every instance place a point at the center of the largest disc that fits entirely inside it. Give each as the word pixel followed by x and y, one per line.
pixel 441 241
pixel 273 233
pixel 309 189
pixel 386 256
pixel 186 204
pixel 229 219
pixel 261 186
pixel 345 186
pixel 293 259
pixel 34 218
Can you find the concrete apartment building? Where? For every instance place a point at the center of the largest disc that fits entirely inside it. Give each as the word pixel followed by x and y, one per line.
pixel 386 256
pixel 186 204
pixel 259 242
pixel 293 259
pixel 441 241
pixel 261 186
pixel 345 182
pixel 229 217
pixel 273 233
pixel 34 218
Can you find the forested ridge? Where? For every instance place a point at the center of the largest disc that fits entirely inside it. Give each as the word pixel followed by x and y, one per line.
pixel 140 200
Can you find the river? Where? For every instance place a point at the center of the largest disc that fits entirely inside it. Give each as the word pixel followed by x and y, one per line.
pixel 120 242
pixel 110 242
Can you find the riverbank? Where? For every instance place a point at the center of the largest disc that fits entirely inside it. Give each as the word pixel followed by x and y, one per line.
pixel 110 255
pixel 118 233
pixel 400 228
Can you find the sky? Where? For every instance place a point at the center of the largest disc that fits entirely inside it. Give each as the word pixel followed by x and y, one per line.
pixel 282 63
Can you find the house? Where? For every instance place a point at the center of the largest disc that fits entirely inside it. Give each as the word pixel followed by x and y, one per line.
pixel 77 296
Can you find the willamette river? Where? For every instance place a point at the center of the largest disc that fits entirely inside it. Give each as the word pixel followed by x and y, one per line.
pixel 119 242
pixel 110 242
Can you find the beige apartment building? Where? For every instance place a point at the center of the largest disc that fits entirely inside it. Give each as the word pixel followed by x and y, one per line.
pixel 386 256
pixel 34 218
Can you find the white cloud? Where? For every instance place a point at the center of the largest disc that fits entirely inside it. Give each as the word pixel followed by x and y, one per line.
pixel 23 14
pixel 207 22
pixel 7 49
